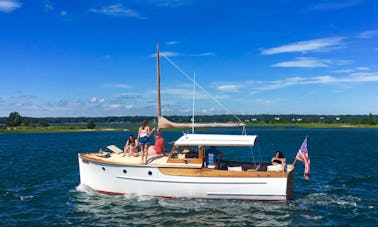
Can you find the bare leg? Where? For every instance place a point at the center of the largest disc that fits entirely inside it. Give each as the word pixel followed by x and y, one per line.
pixel 125 151
pixel 146 153
pixel 142 150
pixel 131 152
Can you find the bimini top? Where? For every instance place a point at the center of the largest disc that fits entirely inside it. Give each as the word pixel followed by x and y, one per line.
pixel 216 140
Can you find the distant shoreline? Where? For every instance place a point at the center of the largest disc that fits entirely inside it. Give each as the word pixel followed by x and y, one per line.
pixel 21 129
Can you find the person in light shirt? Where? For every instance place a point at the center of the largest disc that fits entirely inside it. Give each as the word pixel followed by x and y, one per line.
pixel 143 138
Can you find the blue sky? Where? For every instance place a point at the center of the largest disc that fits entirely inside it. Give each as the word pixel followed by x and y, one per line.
pixel 95 58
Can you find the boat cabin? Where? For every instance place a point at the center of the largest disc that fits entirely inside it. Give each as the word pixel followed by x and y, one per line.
pixel 194 151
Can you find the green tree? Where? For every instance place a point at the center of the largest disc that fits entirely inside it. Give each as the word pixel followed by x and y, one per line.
pixel 91 125
pixel 14 119
pixel 43 124
pixel 26 122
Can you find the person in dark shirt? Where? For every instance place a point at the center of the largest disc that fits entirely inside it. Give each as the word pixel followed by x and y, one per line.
pixel 278 158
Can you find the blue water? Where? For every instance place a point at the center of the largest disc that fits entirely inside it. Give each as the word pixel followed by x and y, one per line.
pixel 39 183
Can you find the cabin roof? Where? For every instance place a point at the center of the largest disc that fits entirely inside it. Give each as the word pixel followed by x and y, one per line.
pixel 216 140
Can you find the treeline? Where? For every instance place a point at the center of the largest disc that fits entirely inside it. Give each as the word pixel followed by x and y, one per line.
pixel 248 119
pixel 284 119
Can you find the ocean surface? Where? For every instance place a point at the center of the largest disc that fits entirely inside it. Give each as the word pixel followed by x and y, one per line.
pixel 40 183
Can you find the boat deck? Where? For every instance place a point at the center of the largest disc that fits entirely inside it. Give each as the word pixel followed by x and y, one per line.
pixel 120 158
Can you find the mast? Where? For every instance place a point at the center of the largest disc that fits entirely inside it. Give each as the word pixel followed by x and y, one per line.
pixel 194 94
pixel 158 79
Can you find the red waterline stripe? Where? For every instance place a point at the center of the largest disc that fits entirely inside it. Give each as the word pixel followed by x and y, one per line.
pixel 110 193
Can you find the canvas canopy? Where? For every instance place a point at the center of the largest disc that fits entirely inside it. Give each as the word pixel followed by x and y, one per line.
pixel 216 140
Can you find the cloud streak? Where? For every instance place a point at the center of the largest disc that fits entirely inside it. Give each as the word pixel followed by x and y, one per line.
pixel 123 86
pixel 294 81
pixel 368 34
pixel 335 5
pixel 303 63
pixel 8 6
pixel 305 46
pixel 117 10
pixel 176 54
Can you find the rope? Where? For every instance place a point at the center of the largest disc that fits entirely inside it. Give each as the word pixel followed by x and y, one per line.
pixel 203 89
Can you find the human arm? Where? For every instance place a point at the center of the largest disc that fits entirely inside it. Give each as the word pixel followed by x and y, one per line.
pixel 139 133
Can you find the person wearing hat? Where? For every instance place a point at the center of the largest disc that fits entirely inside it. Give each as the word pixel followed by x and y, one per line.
pixel 159 148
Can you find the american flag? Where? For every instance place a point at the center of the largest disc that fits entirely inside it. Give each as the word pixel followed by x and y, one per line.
pixel 302 156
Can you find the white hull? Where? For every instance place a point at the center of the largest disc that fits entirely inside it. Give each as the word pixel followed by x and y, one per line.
pixel 148 180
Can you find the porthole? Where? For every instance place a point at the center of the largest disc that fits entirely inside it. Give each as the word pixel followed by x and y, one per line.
pixel 149 173
pixel 103 168
pixel 124 171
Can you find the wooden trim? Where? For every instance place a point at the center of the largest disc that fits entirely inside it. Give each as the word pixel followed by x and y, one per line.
pixel 205 172
pixel 88 157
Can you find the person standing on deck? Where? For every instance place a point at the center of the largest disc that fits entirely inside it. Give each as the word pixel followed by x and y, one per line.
pixel 159 148
pixel 144 134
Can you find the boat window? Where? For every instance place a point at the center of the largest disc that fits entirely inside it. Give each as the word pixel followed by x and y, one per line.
pixel 185 152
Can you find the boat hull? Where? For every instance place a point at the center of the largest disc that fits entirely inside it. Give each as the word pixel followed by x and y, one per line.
pixel 152 180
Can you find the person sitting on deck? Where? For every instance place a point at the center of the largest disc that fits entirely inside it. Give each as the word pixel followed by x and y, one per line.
pixel 159 148
pixel 278 158
pixel 211 157
pixel 131 146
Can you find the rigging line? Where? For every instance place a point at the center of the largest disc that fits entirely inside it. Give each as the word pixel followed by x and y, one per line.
pixel 203 89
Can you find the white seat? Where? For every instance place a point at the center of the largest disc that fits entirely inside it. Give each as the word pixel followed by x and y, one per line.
pixel 276 168
pixel 115 149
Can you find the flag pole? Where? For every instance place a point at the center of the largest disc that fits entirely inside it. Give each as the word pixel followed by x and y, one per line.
pixel 295 160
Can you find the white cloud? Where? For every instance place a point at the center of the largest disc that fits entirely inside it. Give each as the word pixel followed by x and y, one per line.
pixel 228 87
pixel 48 6
pixel 169 3
pixel 117 10
pixel 362 68
pixel 203 54
pixel 171 43
pixel 305 46
pixel 113 106
pixel 293 81
pixel 93 100
pixel 175 54
pixel 351 70
pixel 167 53
pixel 8 6
pixel 124 86
pixel 368 34
pixel 63 13
pixel 303 63
pixel 335 5
pixel 344 71
pixel 97 100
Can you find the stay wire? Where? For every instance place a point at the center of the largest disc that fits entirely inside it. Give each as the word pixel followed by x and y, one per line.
pixel 198 85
